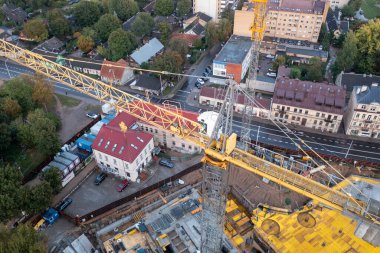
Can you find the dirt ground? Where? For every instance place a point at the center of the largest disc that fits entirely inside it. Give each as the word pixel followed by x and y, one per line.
pixel 74 118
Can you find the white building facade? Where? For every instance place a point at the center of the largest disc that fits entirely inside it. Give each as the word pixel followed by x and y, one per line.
pixel 213 8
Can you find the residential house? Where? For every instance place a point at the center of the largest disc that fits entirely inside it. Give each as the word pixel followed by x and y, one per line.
pixel 350 80
pixel 84 65
pixel 50 49
pixel 213 8
pixel 189 38
pixel 309 104
pixel 234 58
pixel 148 83
pixel 286 19
pixel 14 13
pixel 120 148
pixel 298 55
pixel 127 25
pixel 334 23
pixel 196 24
pixel 117 73
pixel 362 116
pixel 338 4
pixel 214 97
pixel 148 51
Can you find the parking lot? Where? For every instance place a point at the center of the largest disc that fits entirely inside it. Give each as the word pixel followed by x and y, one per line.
pixel 89 197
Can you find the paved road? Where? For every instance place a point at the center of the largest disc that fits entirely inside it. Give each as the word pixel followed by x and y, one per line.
pixel 262 132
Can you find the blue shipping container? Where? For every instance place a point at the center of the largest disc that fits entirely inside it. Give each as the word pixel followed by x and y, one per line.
pixel 51 215
pixel 84 143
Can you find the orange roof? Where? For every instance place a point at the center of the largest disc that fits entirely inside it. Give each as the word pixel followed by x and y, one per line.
pixel 189 38
pixel 113 70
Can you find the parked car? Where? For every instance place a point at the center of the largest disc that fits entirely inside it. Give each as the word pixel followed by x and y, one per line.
pixel 199 80
pixel 208 69
pixel 166 163
pixel 65 203
pixel 205 74
pixel 99 178
pixel 122 185
pixel 198 85
pixel 92 115
pixel 271 70
pixel 271 74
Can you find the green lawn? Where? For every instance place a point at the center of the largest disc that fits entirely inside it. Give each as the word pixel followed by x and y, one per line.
pixel 68 101
pixel 371 8
pixel 27 161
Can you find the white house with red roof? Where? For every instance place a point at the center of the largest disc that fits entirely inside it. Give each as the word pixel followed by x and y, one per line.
pixel 121 148
pixel 117 73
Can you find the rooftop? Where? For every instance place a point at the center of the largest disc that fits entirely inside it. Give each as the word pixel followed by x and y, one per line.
pixel 149 82
pixel 309 95
pixel 52 45
pixel 113 70
pixel 349 80
pixel 83 63
pixel 125 144
pixel 367 94
pixel 307 52
pixel 220 94
pixel 189 38
pixel 303 6
pixel 235 50
pixel 150 49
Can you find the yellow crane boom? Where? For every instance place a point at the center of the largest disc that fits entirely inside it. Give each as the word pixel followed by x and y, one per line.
pixel 185 128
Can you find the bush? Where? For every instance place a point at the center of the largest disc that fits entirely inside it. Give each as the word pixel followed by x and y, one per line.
pixel 288 201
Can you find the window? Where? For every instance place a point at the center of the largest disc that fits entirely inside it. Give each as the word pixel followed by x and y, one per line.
pixel 317 114
pixel 173 143
pixel 100 156
pixel 363 106
pixel 114 161
pixel 128 174
pixel 323 115
pixel 190 147
pixel 335 117
pixel 146 129
pixel 295 109
pixel 288 108
pixel 369 117
pixel 155 130
pixel 358 115
pixel 363 116
pixel 300 110
pixel 151 130
pixel 172 135
pixel 315 122
pixel 373 109
pixel 293 117
pixel 106 157
pixel 306 112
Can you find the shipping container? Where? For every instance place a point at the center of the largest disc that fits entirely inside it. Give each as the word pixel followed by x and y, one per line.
pixel 65 170
pixel 70 164
pixel 71 157
pixel 85 142
pixel 96 128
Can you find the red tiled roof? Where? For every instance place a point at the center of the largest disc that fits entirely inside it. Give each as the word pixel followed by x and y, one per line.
pixel 189 38
pixel 220 94
pixel 113 70
pixel 125 146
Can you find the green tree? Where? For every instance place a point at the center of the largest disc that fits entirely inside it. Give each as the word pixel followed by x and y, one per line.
pixel 345 59
pixel 87 13
pixel 224 29
pixel 169 61
pixel 11 107
pixel 143 24
pixel 58 25
pixel 11 195
pixel 54 177
pixel 21 90
pixel 164 7
pixel 85 43
pixel 165 31
pixel 42 91
pixel 103 52
pixel 5 137
pixel 229 14
pixel 24 238
pixel 120 44
pixel 348 11
pixel 183 7
pixel 180 46
pixel 368 43
pixel 295 73
pixel 198 44
pixel 124 9
pixel 212 36
pixel 39 198
pixel 35 29
pixel 314 70
pixel 89 32
pixel 280 60
pixel 105 25
pixel 42 130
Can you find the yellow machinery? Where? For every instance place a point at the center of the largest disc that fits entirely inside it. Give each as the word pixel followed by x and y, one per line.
pixel 220 149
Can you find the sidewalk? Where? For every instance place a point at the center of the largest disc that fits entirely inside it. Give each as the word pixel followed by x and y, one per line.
pixel 75 182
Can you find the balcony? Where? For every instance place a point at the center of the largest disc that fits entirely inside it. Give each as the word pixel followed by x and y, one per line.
pixel 329 120
pixel 368 121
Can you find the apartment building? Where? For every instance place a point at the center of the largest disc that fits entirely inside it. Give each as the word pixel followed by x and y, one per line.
pixel 362 116
pixel 168 140
pixel 309 104
pixel 120 148
pixel 214 97
pixel 213 8
pixel 287 19
pixel 234 58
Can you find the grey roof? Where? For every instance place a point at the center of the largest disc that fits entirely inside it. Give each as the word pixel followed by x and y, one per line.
pixel 368 95
pixel 128 24
pixel 344 26
pixel 52 45
pixel 349 80
pixel 150 49
pixel 265 79
pixel 198 29
pixel 83 63
pixel 235 50
pixel 203 16
pixel 331 21
pixel 149 82
pixel 310 52
pixel 14 13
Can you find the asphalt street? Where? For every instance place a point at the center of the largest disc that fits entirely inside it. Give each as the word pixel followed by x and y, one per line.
pixel 260 132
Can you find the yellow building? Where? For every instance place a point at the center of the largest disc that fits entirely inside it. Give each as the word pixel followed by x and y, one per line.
pixel 287 19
